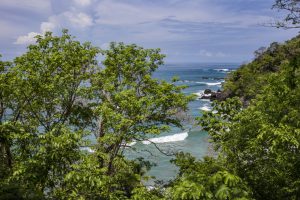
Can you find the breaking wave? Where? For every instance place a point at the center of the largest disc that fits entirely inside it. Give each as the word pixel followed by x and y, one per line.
pixel 169 138
pixel 205 108
pixel 210 84
pixel 222 70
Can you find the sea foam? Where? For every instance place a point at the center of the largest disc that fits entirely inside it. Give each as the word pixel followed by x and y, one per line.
pixel 169 138
pixel 222 70
pixel 202 83
pixel 210 84
pixel 218 83
pixel 205 108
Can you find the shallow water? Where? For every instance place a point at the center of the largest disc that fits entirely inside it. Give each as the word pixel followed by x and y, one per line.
pixel 197 77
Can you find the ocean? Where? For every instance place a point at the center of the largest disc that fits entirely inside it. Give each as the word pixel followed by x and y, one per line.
pixel 198 77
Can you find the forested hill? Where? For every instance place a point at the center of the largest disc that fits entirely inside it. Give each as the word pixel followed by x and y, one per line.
pixel 248 80
pixel 260 143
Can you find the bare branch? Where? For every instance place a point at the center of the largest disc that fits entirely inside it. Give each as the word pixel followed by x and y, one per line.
pixel 155 145
pixel 292 18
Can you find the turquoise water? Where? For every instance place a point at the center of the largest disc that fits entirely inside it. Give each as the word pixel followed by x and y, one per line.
pixel 197 77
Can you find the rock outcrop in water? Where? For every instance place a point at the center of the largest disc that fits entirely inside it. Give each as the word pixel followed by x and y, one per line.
pixel 215 95
pixel 221 96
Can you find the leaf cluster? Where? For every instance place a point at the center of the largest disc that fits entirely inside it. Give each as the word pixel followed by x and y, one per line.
pixel 57 98
pixel 260 143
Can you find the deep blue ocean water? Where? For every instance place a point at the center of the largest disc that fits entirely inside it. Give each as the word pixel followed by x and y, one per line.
pixel 198 77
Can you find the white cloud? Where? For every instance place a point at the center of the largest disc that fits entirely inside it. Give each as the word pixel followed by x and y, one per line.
pixel 119 13
pixel 65 19
pixel 27 39
pixel 48 26
pixel 174 25
pixel 79 19
pixel 83 2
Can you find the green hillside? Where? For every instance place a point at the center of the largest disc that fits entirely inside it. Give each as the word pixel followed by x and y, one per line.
pixel 248 80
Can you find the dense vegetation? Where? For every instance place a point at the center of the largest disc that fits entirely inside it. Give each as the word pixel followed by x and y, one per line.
pixel 247 81
pixel 258 145
pixel 57 96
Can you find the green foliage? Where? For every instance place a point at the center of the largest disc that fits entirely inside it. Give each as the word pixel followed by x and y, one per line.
pixel 260 143
pixel 142 193
pixel 47 111
pixel 56 97
pixel 133 104
pixel 218 122
pixel 249 79
pixel 205 179
pixel 52 83
pixel 5 142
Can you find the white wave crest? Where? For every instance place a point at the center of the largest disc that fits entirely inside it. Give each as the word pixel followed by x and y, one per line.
pixel 210 84
pixel 200 93
pixel 205 108
pixel 218 83
pixel 170 138
pixel 222 70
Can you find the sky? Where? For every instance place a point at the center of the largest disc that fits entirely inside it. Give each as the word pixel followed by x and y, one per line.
pixel 185 30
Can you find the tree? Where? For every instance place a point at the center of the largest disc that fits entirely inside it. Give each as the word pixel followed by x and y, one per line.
pixel 205 179
pixel 5 159
pixel 292 10
pixel 56 97
pixel 48 109
pixel 260 143
pixel 259 52
pixel 133 105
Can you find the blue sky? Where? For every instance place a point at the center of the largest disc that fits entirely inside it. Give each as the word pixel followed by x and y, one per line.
pixel 185 30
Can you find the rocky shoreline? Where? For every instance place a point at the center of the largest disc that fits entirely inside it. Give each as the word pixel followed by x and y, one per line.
pixel 221 96
pixel 214 95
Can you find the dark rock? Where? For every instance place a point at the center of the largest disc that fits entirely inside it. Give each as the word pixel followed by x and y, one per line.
pixel 215 95
pixel 218 78
pixel 207 91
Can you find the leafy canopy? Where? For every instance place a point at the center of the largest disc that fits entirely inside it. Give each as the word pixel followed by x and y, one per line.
pixel 57 97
